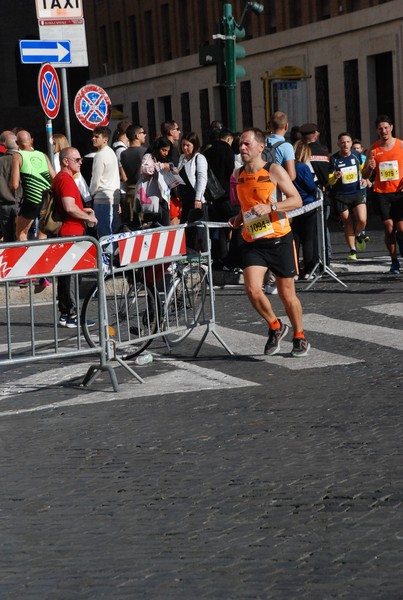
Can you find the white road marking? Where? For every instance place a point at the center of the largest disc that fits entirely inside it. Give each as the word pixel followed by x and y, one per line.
pixel 393 310
pixel 377 264
pixel 382 336
pixel 183 378
pixel 253 344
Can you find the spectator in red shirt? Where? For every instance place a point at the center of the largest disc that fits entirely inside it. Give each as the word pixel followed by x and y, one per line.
pixel 68 200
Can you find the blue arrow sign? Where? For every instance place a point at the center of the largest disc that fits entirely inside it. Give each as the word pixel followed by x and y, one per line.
pixel 38 51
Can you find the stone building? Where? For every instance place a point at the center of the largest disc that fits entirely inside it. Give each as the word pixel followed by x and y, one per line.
pixel 334 62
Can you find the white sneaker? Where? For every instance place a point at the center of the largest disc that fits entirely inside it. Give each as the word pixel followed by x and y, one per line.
pixel 270 289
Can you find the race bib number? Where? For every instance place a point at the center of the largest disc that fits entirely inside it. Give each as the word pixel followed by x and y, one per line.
pixel 257 226
pixel 349 175
pixel 389 171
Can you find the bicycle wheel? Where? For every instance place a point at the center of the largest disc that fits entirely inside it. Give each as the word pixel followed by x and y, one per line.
pixel 132 311
pixel 185 302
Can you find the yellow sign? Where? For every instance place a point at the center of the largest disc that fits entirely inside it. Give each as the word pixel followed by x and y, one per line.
pixel 289 72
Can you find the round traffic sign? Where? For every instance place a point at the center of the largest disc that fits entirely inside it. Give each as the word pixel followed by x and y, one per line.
pixel 92 106
pixel 49 90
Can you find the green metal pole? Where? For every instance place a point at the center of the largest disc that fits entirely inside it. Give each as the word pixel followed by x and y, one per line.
pixel 230 84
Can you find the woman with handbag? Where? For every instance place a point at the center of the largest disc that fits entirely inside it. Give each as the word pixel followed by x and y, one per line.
pixel 193 170
pixel 304 227
pixel 153 162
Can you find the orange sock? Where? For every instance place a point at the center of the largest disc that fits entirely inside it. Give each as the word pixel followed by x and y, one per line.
pixel 299 335
pixel 275 324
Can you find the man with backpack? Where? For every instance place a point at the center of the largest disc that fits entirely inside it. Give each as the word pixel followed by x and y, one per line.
pixel 277 149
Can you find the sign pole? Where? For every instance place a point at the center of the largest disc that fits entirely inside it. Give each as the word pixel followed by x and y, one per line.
pixel 65 95
pixel 49 135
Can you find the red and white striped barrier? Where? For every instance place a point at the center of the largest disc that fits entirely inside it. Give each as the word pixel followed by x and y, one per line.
pixel 55 258
pixel 151 246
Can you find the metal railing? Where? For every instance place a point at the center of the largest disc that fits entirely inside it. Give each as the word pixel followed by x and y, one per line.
pixel 29 333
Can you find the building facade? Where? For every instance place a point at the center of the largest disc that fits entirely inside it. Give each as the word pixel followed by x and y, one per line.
pixel 334 62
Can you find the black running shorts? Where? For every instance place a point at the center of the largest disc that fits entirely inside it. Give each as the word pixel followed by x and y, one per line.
pixel 348 201
pixel 390 205
pixel 278 254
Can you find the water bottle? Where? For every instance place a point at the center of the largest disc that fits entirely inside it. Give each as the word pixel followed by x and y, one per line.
pixel 143 359
pixel 90 224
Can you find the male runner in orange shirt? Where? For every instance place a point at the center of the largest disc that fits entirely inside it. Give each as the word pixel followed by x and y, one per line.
pixel 385 157
pixel 268 240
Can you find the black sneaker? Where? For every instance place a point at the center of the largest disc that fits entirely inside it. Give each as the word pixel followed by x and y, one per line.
pixel 275 336
pixel 300 347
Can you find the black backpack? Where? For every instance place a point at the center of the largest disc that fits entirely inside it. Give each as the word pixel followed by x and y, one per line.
pixel 269 153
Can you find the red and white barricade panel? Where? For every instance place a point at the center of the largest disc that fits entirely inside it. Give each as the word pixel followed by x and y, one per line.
pixel 52 259
pixel 152 246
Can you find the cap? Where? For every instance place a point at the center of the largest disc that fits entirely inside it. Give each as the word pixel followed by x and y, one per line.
pixel 308 128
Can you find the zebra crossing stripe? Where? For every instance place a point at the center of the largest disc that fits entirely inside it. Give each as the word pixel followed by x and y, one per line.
pixel 392 310
pixel 361 332
pixel 180 377
pixel 253 344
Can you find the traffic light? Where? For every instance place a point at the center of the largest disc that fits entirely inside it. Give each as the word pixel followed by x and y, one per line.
pixel 239 52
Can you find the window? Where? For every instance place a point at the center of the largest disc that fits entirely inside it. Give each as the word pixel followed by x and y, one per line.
pixel 204 114
pixel 103 47
pixel 295 13
pixel 183 29
pixel 151 120
pixel 149 36
pixel 323 9
pixel 185 109
pixel 118 46
pixel 166 33
pixel 135 113
pixel 134 45
pixel 352 98
pixel 322 104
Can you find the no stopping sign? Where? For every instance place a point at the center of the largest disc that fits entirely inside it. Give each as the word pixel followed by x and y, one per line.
pixel 92 106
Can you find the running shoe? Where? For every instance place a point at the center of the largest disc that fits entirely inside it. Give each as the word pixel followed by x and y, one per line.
pixel 365 237
pixel 360 242
pixel 352 255
pixel 395 268
pixel 300 347
pixel 270 289
pixel 275 336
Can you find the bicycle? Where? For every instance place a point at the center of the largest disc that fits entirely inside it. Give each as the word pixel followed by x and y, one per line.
pixel 146 302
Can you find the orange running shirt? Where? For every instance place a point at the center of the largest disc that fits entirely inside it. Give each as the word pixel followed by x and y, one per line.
pixel 389 171
pixel 257 188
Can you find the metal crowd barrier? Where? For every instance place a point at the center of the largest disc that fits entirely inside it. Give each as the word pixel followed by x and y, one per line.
pixel 147 284
pixel 49 258
pixel 155 287
pixel 321 268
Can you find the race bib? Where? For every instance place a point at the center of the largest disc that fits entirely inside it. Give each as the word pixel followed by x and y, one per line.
pixel 349 174
pixel 389 171
pixel 257 226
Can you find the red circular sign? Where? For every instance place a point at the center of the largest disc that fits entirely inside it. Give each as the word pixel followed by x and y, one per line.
pixel 92 106
pixel 49 91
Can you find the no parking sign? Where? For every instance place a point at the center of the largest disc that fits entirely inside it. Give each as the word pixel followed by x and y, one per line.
pixel 49 91
pixel 92 106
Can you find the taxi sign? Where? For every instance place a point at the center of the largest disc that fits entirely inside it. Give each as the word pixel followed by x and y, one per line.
pixel 92 106
pixel 59 9
pixel 49 90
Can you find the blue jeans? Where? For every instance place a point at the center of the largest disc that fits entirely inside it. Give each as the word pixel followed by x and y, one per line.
pixel 108 218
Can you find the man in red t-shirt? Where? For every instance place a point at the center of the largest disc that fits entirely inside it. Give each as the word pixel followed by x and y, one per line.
pixel 68 200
